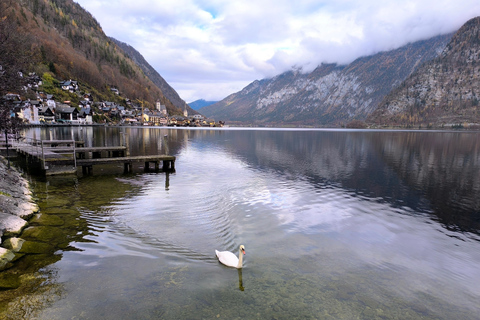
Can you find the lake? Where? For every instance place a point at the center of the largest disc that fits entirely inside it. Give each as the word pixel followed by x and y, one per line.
pixel 337 224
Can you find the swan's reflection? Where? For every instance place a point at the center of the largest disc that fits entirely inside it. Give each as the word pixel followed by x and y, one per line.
pixel 240 280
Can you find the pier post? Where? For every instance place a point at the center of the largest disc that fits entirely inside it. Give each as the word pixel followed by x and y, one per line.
pixel 127 167
pixel 127 145
pixel 87 170
pixel 165 165
pixel 167 181
pixel 165 143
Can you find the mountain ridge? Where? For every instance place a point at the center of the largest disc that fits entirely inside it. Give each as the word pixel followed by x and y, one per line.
pixel 330 95
pixel 445 91
pixel 153 75
pixel 200 103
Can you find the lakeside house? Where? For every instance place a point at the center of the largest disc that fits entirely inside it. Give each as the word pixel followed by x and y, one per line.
pixel 66 113
pixel 46 115
pixel 47 110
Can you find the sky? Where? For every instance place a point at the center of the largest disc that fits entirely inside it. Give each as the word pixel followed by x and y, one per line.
pixel 209 49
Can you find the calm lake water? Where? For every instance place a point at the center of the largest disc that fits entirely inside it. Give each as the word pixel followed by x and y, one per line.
pixel 337 224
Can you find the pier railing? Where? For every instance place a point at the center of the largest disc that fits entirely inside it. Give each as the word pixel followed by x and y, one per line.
pixel 63 156
pixel 47 150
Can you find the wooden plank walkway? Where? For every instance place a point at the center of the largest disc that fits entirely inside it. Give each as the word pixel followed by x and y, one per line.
pixel 54 153
pixel 93 152
pixel 55 143
pixel 167 161
pixel 39 152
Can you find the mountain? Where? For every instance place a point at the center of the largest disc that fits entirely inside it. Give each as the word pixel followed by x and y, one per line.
pixel 443 92
pixel 153 75
pixel 68 43
pixel 330 95
pixel 198 104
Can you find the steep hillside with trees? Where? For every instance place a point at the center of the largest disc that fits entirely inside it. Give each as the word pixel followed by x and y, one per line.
pixel 153 75
pixel 16 55
pixel 443 92
pixel 70 44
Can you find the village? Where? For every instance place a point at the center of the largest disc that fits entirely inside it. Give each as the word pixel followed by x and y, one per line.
pixel 47 110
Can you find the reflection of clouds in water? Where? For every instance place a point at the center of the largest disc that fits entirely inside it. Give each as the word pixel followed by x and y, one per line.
pixel 312 218
pixel 195 212
pixel 411 243
pixel 372 230
pixel 375 232
pixel 304 208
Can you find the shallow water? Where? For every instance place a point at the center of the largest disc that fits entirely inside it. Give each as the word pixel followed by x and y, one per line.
pixel 336 224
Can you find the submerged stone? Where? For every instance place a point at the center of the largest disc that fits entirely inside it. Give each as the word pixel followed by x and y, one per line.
pixel 14 244
pixel 9 281
pixel 46 220
pixel 5 257
pixel 44 233
pixel 35 247
pixel 58 210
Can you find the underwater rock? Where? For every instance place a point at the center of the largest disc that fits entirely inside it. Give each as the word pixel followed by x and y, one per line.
pixel 46 220
pixel 5 257
pixel 13 244
pixel 9 281
pixel 44 233
pixel 35 247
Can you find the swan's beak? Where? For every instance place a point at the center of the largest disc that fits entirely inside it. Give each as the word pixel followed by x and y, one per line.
pixel 243 250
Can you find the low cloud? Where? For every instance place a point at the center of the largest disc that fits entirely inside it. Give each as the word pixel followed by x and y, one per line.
pixel 212 48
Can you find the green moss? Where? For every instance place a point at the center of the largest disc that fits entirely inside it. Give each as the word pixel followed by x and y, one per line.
pixel 9 281
pixel 5 194
pixel 58 210
pixel 44 234
pixel 35 247
pixel 46 220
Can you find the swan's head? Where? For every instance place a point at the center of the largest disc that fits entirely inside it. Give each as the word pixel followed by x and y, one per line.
pixel 242 248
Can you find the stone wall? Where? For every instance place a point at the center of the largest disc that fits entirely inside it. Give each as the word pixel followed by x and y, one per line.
pixel 16 208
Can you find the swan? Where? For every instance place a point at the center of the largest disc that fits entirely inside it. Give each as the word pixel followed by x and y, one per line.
pixel 229 259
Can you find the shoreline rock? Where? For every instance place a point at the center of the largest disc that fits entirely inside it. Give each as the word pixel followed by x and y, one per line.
pixel 16 208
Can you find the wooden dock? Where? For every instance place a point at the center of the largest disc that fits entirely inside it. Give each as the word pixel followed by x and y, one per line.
pixel 167 161
pixel 64 156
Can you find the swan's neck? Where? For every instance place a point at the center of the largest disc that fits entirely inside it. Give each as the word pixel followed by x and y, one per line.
pixel 240 259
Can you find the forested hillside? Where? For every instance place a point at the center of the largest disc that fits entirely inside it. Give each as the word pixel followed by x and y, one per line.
pixel 68 43
pixel 153 75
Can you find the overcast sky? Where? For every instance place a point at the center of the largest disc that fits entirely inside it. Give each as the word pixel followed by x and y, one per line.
pixel 208 49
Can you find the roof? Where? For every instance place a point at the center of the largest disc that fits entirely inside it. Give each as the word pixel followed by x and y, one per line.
pixel 65 109
pixel 85 111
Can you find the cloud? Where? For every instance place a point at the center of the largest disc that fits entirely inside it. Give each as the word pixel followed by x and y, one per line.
pixel 212 48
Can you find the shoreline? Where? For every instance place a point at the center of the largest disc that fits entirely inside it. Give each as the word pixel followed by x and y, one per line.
pixel 16 208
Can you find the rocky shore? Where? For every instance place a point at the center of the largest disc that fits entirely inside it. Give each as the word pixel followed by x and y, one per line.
pixel 16 208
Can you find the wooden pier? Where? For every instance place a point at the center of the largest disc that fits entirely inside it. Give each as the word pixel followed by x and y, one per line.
pixel 64 156
pixel 168 162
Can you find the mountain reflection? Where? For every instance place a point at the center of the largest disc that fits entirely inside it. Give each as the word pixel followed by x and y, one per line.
pixel 436 173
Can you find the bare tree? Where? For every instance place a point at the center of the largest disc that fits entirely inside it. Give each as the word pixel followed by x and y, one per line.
pixel 15 58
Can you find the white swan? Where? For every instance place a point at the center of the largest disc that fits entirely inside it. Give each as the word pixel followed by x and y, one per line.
pixel 229 259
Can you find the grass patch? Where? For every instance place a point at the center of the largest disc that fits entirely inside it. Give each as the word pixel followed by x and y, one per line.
pixel 5 194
